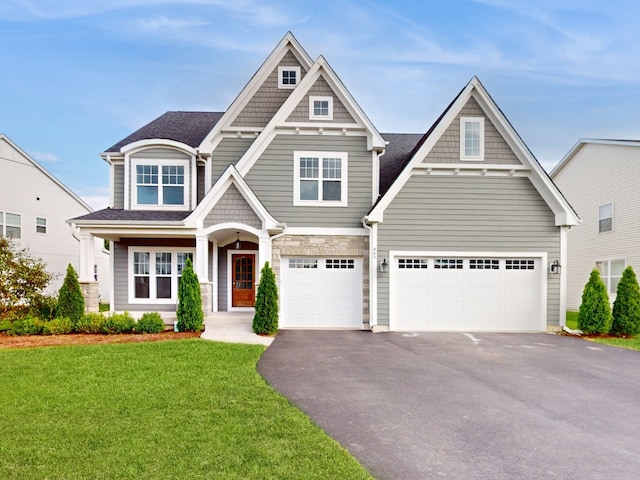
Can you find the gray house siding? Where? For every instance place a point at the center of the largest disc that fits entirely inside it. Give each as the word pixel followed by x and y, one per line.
pixel 269 98
pixel 321 89
pixel 118 186
pixel 496 149
pixel 232 207
pixel 469 213
pixel 228 151
pixel 271 179
pixel 200 183
pixel 121 272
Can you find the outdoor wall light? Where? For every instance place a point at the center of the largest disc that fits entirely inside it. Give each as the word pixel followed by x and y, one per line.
pixel 383 265
pixel 238 245
pixel 555 267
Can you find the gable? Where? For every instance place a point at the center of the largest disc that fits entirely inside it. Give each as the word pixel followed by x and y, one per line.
pixel 320 89
pixel 268 99
pixel 232 207
pixel 496 149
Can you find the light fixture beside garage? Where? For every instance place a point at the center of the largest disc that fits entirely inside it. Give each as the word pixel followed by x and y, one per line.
pixel 555 267
pixel 383 266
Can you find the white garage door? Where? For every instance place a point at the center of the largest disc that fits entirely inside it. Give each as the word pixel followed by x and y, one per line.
pixel 466 294
pixel 321 292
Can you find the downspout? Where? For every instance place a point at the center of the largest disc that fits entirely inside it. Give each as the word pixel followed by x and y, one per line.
pixel 271 239
pixel 373 274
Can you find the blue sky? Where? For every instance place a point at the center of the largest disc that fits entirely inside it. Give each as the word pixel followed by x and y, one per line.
pixel 79 75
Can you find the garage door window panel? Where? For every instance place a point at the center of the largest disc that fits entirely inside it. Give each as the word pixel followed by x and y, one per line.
pixel 448 264
pixel 484 264
pixel 303 263
pixel 412 263
pixel 340 263
pixel 520 264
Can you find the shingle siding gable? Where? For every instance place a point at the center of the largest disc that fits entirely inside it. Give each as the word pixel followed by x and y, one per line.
pixel 232 207
pixel 321 89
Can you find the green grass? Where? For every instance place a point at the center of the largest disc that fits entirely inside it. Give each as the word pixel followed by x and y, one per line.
pixel 630 343
pixel 572 320
pixel 185 410
pixel 104 307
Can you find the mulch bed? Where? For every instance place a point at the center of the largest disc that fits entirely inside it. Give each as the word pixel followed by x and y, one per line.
pixel 31 341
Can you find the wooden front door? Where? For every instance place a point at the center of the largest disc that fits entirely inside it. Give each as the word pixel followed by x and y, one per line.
pixel 243 279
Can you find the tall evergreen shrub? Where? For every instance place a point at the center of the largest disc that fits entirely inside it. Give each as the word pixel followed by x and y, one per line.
pixel 594 315
pixel 190 314
pixel 265 320
pixel 626 307
pixel 70 299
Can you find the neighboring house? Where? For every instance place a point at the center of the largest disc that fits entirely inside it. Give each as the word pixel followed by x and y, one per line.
pixel 34 207
pixel 451 230
pixel 600 179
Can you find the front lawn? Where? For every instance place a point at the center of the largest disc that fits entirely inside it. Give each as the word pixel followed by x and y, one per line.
pixel 183 410
pixel 631 343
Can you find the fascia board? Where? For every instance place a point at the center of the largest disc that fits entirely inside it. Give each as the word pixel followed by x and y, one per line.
pixel 157 142
pixel 256 81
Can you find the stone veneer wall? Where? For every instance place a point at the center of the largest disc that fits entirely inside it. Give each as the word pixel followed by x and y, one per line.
pixel 325 246
pixel 91 296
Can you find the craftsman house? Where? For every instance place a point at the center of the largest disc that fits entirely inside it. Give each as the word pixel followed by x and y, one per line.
pixel 452 230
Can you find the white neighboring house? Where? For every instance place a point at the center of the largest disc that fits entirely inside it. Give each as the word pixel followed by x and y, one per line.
pixel 34 207
pixel 600 180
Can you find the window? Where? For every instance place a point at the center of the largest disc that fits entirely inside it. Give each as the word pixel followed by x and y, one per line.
pixel 321 108
pixel 519 264
pixel 448 263
pixel 320 178
pixel 484 264
pixel 340 263
pixel 288 77
pixel 472 138
pixel 41 225
pixel 303 263
pixel 611 273
pixel 412 263
pixel 160 183
pixel 12 225
pixel 155 274
pixel 605 218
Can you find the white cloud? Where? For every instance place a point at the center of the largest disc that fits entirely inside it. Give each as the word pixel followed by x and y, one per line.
pixel 45 157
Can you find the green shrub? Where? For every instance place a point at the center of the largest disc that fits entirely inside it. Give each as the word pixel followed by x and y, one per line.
pixel 57 326
pixel 70 299
pixel 626 307
pixel 265 320
pixel 594 315
pixel 27 326
pixel 89 323
pixel 5 325
pixel 118 323
pixel 46 310
pixel 150 322
pixel 189 313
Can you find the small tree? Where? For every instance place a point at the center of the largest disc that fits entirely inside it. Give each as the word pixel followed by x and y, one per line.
pixel 626 307
pixel 594 315
pixel 70 299
pixel 23 278
pixel 190 314
pixel 265 320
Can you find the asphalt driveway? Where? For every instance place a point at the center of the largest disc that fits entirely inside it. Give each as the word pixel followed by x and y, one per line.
pixel 459 406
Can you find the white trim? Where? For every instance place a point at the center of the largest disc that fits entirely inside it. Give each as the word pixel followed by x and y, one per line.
pixel 463 131
pixel 607 279
pixel 563 277
pixel 256 259
pixel 152 275
pixel 326 231
pixel 321 156
pixel 112 277
pixel 135 147
pixel 186 164
pixel 313 100
pixel 286 68
pixel 542 270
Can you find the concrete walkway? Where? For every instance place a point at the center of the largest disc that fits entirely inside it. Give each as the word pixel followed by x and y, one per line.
pixel 232 327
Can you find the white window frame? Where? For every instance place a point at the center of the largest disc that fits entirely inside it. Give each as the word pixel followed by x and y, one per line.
pixel 41 223
pixel 281 71
pixel 607 278
pixel 463 128
pixel 601 218
pixel 6 224
pixel 344 179
pixel 152 273
pixel 313 100
pixel 159 163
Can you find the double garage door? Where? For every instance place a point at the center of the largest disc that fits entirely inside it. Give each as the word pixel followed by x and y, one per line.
pixel 460 293
pixel 321 292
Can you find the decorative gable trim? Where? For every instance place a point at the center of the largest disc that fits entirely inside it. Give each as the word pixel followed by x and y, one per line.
pixel 231 176
pixel 564 214
pixel 279 122
pixel 288 43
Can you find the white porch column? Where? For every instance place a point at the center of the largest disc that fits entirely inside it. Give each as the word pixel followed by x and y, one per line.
pixel 214 276
pixel 202 258
pixel 85 272
pixel 264 253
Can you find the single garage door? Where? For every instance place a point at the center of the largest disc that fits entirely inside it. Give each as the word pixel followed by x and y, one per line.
pixel 321 292
pixel 466 294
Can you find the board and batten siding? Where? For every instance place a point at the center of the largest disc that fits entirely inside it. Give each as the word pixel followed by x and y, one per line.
pixel 228 151
pixel 475 213
pixel 321 89
pixel 271 179
pixel 496 149
pixel 118 185
pixel 121 272
pixel 269 98
pixel 599 174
